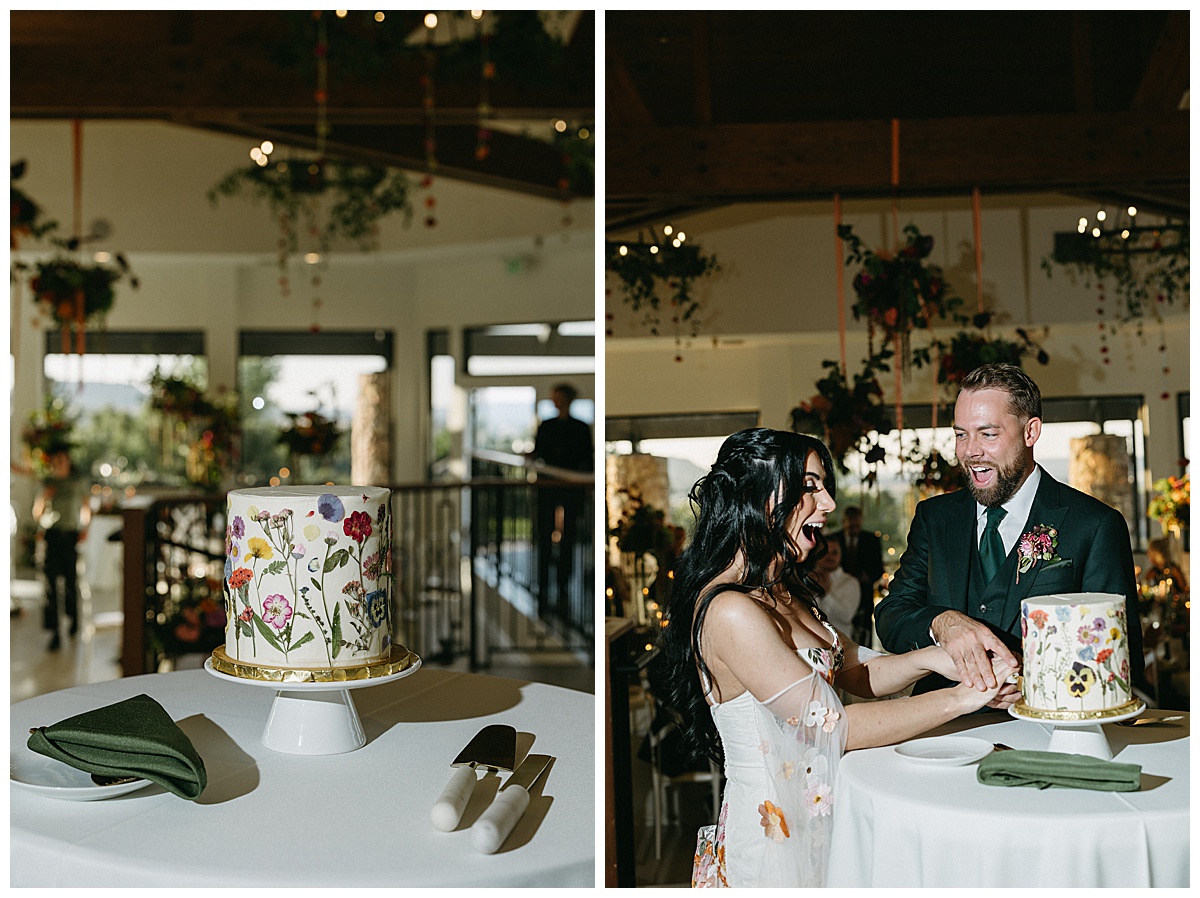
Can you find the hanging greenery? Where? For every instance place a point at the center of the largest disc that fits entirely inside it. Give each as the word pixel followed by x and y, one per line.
pixel 208 427
pixel 310 433
pixel 652 274
pixel 70 291
pixel 27 217
pixel 967 350
pixel 1149 268
pixel 354 195
pixel 848 417
pixel 896 294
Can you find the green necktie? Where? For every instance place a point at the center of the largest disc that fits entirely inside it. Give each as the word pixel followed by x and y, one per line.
pixel 991 547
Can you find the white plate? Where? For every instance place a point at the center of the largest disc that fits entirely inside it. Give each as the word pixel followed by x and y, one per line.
pixel 945 751
pixel 54 779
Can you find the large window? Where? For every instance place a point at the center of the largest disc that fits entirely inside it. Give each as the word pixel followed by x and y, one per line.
pixel 1095 444
pixel 286 378
pixel 119 440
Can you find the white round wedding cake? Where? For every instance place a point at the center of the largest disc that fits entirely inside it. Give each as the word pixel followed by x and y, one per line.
pixel 307 579
pixel 1076 657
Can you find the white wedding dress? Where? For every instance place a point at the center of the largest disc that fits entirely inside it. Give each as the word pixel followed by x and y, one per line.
pixel 781 758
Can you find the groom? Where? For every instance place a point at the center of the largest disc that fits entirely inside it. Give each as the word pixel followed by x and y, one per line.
pixel 958 584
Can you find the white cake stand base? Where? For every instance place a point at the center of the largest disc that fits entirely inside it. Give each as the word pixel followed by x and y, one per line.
pixel 314 718
pixel 1080 737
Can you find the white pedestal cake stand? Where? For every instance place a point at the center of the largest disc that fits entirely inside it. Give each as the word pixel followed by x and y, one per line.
pixel 314 718
pixel 1080 737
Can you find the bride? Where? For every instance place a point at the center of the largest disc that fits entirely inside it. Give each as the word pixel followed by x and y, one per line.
pixel 749 663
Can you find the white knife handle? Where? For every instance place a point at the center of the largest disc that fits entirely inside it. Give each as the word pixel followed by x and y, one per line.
pixel 449 807
pixel 494 824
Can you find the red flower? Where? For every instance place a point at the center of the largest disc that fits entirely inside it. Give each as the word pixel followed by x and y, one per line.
pixel 357 526
pixel 1103 655
pixel 240 577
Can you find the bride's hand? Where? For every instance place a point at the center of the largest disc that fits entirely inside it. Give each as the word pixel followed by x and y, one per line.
pixel 1002 695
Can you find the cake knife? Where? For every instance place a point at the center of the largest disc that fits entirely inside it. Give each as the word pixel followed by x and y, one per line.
pixel 495 824
pixel 495 748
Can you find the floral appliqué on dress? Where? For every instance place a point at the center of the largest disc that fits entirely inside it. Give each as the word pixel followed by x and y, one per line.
pixel 708 865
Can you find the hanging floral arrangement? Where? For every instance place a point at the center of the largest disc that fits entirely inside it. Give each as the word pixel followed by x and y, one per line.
pixel 663 272
pixel 848 417
pixel 207 427
pixel 26 216
pixel 967 350
pixel 49 429
pixel 897 293
pixel 356 197
pixel 1148 266
pixel 935 473
pixel 71 292
pixel 1172 503
pixel 310 433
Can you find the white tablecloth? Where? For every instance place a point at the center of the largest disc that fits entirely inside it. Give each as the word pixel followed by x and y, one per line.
pixel 898 822
pixel 354 819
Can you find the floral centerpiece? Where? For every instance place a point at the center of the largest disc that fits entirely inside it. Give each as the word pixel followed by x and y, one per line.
pixel 190 622
pixel 1172 503
pixel 847 417
pixel 310 433
pixel 642 529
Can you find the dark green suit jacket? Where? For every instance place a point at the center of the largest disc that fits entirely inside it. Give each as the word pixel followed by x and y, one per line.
pixel 940 570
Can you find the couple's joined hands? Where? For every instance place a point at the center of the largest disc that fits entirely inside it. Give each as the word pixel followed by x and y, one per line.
pixel 981 661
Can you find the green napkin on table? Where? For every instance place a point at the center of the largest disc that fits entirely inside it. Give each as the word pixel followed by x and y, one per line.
pixel 1048 768
pixel 134 737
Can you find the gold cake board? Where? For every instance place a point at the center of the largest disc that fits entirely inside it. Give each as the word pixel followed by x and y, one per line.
pixel 1097 716
pixel 398 660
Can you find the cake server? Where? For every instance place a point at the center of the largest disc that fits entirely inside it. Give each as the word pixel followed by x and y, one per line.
pixel 494 748
pixel 494 824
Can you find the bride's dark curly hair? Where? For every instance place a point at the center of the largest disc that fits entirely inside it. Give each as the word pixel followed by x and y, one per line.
pixel 754 468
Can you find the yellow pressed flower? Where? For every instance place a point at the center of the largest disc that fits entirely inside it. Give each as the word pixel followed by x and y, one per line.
pixel 257 547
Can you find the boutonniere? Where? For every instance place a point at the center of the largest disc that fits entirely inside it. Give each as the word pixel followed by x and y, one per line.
pixel 1036 545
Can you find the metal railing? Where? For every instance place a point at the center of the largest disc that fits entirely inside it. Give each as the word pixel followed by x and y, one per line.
pixel 495 565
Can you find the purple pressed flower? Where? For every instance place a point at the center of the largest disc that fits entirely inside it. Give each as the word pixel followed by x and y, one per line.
pixel 331 508
pixel 239 526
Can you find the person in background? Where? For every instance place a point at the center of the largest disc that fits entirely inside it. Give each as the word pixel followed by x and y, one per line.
pixel 862 558
pixel 958 585
pixel 842 593
pixel 61 512
pixel 561 442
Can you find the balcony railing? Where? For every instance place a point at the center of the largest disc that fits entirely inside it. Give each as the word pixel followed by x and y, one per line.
pixel 496 565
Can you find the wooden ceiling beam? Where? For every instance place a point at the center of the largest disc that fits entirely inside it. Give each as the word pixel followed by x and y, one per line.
pixel 1166 78
pixel 1009 154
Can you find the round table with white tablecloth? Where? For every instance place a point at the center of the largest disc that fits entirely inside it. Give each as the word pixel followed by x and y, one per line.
pixel 360 818
pixel 899 822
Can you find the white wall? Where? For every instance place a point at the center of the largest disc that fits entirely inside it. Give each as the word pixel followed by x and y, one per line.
pixel 214 269
pixel 770 316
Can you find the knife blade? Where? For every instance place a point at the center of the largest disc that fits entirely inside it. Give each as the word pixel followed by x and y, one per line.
pixel 494 748
pixel 495 824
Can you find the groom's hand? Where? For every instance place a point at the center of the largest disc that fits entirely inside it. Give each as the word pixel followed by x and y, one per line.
pixel 972 647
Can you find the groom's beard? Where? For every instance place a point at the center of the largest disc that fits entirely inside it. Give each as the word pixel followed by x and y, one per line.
pixel 1008 481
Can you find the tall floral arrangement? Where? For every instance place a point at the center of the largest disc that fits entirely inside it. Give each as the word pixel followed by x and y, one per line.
pixel 1172 502
pixel 49 429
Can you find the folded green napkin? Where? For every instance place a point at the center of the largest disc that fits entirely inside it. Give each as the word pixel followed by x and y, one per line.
pixel 134 737
pixel 1048 768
